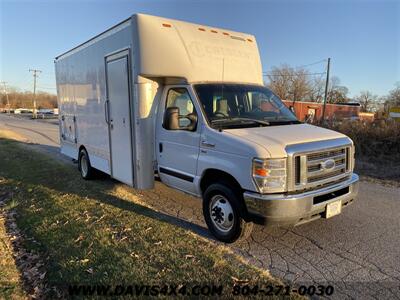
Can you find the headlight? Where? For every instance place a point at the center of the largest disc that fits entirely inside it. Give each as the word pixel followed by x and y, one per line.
pixel 270 174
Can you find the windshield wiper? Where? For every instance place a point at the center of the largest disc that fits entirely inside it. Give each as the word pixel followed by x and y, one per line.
pixel 285 122
pixel 265 123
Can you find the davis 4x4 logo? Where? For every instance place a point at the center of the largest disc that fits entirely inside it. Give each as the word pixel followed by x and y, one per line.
pixel 145 290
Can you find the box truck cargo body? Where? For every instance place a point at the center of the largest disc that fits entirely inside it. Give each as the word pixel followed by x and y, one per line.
pixel 186 101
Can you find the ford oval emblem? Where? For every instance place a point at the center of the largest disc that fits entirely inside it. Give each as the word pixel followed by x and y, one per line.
pixel 329 164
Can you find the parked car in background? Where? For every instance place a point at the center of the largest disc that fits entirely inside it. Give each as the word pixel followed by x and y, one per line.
pixel 23 111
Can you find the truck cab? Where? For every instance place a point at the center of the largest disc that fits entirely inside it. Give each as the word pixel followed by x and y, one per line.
pixel 244 152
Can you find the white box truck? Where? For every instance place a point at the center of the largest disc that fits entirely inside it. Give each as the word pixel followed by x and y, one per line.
pixel 154 96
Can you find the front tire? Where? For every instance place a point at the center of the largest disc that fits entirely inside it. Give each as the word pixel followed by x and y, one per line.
pixel 84 166
pixel 221 209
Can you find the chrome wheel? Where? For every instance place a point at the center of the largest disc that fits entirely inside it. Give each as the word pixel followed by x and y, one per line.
pixel 84 165
pixel 221 213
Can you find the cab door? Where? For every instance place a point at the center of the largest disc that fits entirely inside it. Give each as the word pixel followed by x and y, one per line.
pixel 178 149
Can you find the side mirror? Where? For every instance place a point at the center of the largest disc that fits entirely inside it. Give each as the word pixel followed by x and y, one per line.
pixel 171 118
pixel 193 121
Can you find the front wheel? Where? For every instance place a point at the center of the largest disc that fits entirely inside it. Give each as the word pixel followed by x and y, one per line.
pixel 221 209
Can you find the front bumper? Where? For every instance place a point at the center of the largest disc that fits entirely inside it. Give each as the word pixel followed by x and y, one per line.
pixel 296 209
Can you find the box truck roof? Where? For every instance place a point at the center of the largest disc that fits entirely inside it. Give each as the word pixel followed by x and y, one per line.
pixel 171 48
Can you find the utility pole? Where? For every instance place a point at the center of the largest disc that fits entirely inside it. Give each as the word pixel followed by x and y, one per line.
pixel 5 92
pixel 326 89
pixel 35 75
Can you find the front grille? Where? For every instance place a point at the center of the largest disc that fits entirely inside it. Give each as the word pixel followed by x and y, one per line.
pixel 325 176
pixel 318 168
pixel 326 154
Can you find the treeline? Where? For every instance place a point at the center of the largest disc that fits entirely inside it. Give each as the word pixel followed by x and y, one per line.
pixel 20 99
pixel 300 84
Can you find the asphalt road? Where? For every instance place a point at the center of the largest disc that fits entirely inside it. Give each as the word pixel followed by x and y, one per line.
pixel 357 252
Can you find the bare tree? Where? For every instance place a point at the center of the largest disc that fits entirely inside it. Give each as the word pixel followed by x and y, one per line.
pixel 337 93
pixel 367 101
pixel 317 89
pixel 295 84
pixel 280 81
pixel 393 99
pixel 300 86
pixel 289 83
pixel 22 99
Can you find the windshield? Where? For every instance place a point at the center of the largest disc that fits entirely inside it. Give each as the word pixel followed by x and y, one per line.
pixel 240 105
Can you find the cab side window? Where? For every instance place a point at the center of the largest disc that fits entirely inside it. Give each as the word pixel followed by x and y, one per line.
pixel 180 98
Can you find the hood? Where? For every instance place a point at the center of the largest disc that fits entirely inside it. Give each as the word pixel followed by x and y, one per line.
pixel 275 138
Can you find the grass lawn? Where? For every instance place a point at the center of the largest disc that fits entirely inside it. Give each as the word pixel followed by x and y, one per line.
pixel 85 234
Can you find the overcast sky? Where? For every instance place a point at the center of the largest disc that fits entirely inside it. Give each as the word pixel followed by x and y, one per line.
pixel 361 37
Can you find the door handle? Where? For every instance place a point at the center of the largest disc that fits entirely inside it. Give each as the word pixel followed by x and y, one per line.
pixel 207 144
pixel 106 112
pixel 160 147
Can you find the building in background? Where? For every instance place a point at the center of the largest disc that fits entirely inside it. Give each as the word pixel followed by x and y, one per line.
pixel 394 113
pixel 313 111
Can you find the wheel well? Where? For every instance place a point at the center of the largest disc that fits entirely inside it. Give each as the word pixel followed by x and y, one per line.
pixel 79 152
pixel 213 175
pixel 80 149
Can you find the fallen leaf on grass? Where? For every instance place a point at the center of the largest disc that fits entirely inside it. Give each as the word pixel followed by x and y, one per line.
pixel 80 238
pixel 133 254
pixel 84 261
pixel 239 281
pixel 123 239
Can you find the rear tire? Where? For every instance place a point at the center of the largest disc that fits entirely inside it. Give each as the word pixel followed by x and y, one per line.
pixel 84 166
pixel 221 209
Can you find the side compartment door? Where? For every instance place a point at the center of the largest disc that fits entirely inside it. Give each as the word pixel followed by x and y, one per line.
pixel 178 149
pixel 118 114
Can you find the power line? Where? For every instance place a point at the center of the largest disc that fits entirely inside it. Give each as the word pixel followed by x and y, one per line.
pixel 311 64
pixel 291 75
pixel 46 88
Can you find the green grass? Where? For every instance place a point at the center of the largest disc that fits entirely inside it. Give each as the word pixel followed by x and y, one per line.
pixel 86 234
